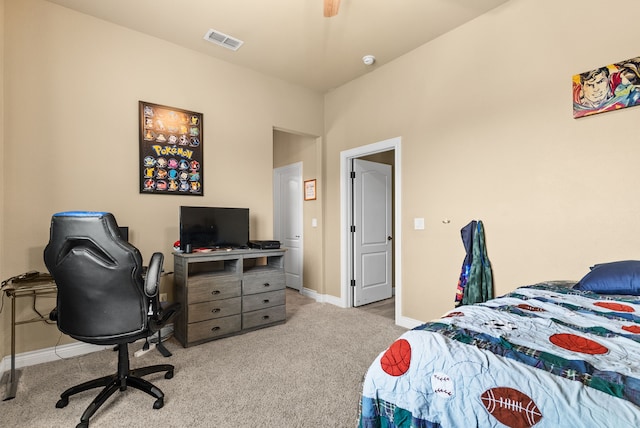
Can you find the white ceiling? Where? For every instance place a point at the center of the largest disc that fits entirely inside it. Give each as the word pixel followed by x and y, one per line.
pixel 291 39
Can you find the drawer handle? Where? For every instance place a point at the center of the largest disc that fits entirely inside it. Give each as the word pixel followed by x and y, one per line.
pixel 215 329
pixel 214 292
pixel 215 311
pixel 265 317
pixel 266 284
pixel 265 301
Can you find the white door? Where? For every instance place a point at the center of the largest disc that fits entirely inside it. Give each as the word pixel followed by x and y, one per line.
pixel 371 232
pixel 287 220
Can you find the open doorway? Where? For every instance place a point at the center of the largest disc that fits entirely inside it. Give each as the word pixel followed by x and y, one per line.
pixel 371 241
pixel 347 258
pixel 296 158
pixel 287 220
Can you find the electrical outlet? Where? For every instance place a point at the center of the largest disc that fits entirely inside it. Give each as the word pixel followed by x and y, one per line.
pixel 163 297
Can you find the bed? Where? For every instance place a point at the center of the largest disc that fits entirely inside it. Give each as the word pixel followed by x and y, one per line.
pixel 544 355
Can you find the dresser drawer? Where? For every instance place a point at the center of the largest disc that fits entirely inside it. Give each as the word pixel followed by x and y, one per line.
pixel 211 329
pixel 254 302
pixel 214 309
pixel 210 287
pixel 266 281
pixel 263 317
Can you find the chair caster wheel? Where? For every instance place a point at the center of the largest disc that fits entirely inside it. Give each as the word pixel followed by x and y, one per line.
pixel 83 425
pixel 62 403
pixel 158 403
pixel 169 374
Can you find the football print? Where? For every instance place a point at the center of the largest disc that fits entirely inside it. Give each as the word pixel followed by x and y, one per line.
pixel 511 407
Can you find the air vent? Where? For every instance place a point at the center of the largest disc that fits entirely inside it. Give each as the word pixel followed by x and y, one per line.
pixel 224 40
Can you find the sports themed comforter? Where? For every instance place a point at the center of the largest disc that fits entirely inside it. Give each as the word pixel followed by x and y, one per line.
pixel 544 355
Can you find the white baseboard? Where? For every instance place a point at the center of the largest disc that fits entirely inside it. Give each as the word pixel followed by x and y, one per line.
pixel 322 298
pixel 405 322
pixel 408 323
pixel 46 355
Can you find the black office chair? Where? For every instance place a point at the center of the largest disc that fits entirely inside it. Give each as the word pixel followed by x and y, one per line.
pixel 104 299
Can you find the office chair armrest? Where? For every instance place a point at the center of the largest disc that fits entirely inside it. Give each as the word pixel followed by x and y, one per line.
pixel 152 280
pixel 164 316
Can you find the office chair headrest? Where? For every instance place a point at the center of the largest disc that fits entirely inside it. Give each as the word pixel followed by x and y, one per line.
pixel 80 214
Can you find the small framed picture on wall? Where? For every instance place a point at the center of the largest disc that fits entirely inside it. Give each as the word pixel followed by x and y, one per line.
pixel 309 190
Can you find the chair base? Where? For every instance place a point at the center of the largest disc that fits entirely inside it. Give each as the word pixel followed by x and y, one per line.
pixel 119 381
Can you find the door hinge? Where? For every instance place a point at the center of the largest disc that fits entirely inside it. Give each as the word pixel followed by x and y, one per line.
pixel 353 282
pixel 353 229
pixel 353 174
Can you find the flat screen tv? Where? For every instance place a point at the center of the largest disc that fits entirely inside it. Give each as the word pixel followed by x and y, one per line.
pixel 214 227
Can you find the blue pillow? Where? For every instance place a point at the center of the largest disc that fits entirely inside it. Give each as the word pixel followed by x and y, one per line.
pixel 621 277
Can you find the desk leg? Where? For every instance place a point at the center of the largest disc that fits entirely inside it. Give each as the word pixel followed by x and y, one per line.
pixel 160 347
pixel 11 378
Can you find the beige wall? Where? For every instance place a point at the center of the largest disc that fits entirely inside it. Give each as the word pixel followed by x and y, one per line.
pixel 4 315
pixel 72 86
pixel 484 113
pixel 485 116
pixel 289 148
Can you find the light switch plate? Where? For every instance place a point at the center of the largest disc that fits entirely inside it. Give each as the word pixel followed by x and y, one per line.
pixel 418 223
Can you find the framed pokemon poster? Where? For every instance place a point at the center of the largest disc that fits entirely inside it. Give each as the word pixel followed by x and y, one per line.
pixel 170 150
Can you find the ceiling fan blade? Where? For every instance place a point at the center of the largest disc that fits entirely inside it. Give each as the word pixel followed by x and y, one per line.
pixel 331 8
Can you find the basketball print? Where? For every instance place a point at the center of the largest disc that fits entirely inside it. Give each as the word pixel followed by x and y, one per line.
pixel 574 343
pixel 615 306
pixel 396 359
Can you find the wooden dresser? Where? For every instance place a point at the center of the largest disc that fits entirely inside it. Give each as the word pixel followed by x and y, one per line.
pixel 224 293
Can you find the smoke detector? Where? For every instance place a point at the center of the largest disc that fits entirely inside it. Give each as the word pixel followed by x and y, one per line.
pixel 223 40
pixel 368 59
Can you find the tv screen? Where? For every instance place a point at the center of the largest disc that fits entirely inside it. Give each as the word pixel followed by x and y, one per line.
pixel 214 227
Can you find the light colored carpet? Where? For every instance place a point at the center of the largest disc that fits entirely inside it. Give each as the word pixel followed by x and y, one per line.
pixel 304 373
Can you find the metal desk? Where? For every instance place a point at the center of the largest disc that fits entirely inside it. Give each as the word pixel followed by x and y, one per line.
pixel 41 285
